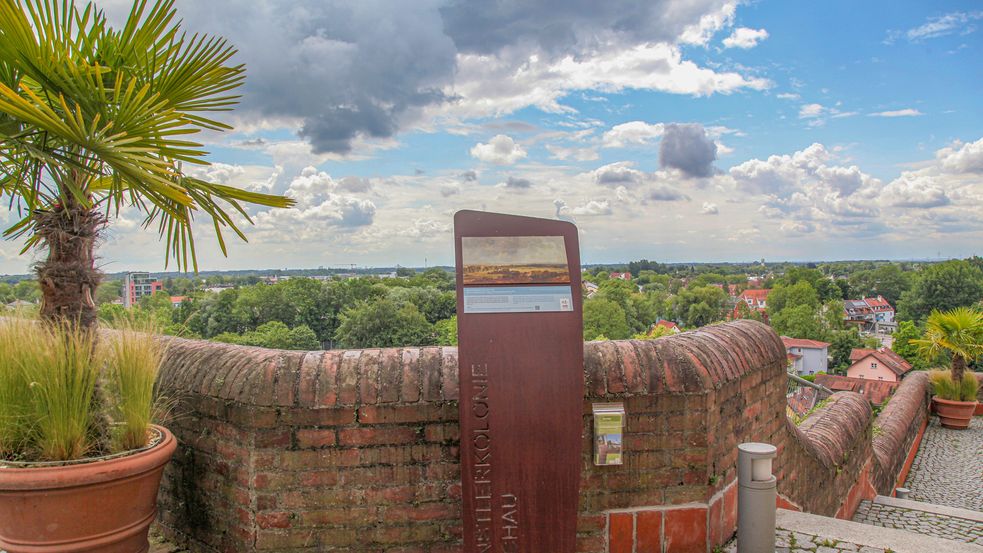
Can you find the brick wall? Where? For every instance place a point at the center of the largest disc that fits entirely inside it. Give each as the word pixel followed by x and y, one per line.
pixel 358 450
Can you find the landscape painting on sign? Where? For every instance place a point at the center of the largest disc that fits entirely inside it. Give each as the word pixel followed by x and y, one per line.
pixel 514 260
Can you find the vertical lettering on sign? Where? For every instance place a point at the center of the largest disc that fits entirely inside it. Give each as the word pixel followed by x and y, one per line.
pixel 510 523
pixel 481 449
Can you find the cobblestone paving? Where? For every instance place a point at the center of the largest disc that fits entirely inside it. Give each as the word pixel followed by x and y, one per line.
pixel 948 468
pixel 929 524
pixel 787 541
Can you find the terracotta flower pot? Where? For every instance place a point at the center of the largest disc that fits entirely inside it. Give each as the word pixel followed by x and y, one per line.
pixel 97 507
pixel 954 414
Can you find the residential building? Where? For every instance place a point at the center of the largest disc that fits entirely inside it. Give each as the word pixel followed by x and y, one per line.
pixel 621 276
pixel 176 301
pixel 669 325
pixel 876 391
pixel 869 314
pixel 756 300
pixel 807 356
pixel 589 289
pixel 138 285
pixel 877 364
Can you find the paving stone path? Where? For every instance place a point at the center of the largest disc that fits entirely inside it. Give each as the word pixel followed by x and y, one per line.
pixel 929 524
pixel 948 468
pixel 787 541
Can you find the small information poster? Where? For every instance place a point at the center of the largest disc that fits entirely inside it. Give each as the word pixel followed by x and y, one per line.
pixel 609 424
pixel 517 299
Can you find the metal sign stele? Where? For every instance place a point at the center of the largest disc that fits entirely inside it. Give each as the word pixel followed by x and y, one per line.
pixel 521 353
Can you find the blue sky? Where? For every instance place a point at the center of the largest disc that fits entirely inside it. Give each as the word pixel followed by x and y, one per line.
pixel 709 130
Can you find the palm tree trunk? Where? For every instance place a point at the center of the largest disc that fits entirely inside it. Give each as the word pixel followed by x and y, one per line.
pixel 68 277
pixel 958 368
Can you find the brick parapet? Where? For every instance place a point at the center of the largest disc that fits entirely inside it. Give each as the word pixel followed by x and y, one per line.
pixel 358 450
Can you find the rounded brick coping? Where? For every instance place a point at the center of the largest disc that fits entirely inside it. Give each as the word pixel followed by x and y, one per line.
pixel 690 362
pixel 906 408
pixel 834 430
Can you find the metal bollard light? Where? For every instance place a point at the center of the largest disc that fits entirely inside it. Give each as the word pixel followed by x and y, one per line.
pixel 757 492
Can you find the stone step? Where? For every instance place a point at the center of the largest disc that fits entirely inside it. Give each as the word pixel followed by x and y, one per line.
pixel 864 535
pixel 943 510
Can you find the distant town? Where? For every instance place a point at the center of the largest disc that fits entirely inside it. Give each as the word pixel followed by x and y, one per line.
pixel 845 325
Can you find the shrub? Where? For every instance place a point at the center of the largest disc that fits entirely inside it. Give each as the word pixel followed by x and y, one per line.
pixel 945 387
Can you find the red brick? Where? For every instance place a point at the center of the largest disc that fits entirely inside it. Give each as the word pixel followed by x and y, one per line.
pixel 308 438
pixel 369 376
pixel 729 519
pixel 621 532
pixel 648 530
pixel 686 530
pixel 409 363
pixel 309 369
pixel 327 380
pixel 407 413
pixel 348 378
pixel 273 520
pixel 377 436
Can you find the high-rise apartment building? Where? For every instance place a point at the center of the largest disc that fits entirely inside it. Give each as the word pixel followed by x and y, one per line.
pixel 138 285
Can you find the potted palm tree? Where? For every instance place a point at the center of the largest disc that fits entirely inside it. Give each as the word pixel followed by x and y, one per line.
pixel 95 120
pixel 958 334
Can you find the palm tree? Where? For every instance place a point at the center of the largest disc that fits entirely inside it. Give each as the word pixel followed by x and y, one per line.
pixel 94 120
pixel 958 333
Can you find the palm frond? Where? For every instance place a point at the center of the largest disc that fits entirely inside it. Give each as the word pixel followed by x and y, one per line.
pixel 104 116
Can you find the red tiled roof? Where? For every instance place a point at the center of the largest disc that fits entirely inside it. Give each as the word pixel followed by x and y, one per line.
pixel 856 354
pixel 877 302
pixel 759 295
pixel 887 357
pixel 668 324
pixel 803 343
pixel 876 391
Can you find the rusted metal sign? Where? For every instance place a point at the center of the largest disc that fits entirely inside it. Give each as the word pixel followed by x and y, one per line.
pixel 521 354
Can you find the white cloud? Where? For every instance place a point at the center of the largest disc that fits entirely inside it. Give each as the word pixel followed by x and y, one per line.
pixel 500 150
pixel 817 114
pixel 745 38
pixel 495 85
pixel 811 110
pixel 962 158
pixel 577 154
pixel 951 181
pixel 709 209
pixel 593 208
pixel 426 229
pixel 939 26
pixel 915 190
pixel 907 112
pixel 621 173
pixel 788 96
pixel 632 132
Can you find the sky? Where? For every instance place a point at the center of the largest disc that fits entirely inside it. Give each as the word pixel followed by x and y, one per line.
pixel 704 130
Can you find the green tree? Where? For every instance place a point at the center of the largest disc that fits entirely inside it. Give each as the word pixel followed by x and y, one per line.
pixel 699 306
pixel 433 303
pixel 887 280
pixel 382 323
pixel 798 322
pixel 794 295
pixel 901 344
pixel 275 335
pixel 603 317
pixel 109 292
pixel 92 119
pixel 942 286
pixel 958 334
pixel 446 330
pixel 841 343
